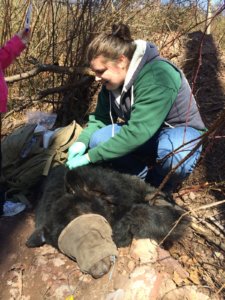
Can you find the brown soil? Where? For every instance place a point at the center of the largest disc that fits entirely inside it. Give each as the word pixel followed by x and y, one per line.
pixel 197 261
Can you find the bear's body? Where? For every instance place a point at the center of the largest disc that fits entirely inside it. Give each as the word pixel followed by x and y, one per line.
pixel 119 198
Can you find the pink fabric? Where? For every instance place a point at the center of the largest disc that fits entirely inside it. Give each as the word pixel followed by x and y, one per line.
pixel 8 53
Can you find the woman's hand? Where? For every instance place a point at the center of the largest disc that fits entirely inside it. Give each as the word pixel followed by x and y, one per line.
pixel 77 149
pixel 78 161
pixel 24 35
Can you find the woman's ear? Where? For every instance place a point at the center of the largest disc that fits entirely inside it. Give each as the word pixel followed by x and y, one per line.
pixel 123 62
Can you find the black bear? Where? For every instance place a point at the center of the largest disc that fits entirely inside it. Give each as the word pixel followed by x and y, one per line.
pixel 79 207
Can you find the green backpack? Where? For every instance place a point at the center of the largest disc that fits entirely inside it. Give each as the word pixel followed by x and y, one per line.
pixel 25 160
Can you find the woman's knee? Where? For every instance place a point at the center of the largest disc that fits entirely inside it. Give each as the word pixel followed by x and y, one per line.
pixel 172 160
pixel 96 139
pixel 172 150
pixel 104 134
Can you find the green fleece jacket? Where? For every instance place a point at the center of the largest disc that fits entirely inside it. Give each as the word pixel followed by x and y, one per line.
pixel 155 90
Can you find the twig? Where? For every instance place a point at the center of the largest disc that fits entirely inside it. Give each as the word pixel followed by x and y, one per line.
pixel 209 205
pixel 192 188
pixel 48 68
pixel 216 223
pixel 20 282
pixel 220 289
pixel 212 228
pixel 203 232
pixel 191 212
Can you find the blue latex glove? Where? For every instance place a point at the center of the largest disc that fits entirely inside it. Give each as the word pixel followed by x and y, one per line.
pixel 77 149
pixel 78 161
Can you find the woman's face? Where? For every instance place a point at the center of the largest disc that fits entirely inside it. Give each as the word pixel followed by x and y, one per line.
pixel 111 73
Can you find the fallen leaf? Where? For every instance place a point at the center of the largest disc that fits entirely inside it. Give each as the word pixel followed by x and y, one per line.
pixel 194 276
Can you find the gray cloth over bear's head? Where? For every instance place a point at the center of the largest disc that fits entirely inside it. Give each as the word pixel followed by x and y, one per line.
pixel 88 240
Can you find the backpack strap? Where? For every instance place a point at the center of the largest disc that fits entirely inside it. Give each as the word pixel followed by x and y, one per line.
pixel 61 140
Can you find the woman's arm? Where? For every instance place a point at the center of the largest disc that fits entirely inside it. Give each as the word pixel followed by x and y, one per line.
pixel 10 51
pixel 100 118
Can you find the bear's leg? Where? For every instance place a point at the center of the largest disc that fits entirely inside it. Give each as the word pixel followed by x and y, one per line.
pixel 154 222
pixel 122 235
pixel 157 222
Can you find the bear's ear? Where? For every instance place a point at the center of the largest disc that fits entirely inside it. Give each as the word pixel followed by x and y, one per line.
pixel 73 182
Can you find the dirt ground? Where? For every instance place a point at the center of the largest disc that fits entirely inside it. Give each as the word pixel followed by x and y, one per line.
pixel 193 268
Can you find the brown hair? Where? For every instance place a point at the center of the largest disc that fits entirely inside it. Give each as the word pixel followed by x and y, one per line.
pixel 112 45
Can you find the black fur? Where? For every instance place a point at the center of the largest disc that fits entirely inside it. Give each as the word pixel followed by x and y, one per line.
pixel 118 197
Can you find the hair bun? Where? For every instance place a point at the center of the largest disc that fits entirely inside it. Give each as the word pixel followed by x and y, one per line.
pixel 122 31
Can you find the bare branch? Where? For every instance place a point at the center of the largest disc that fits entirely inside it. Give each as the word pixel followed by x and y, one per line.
pixel 48 68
